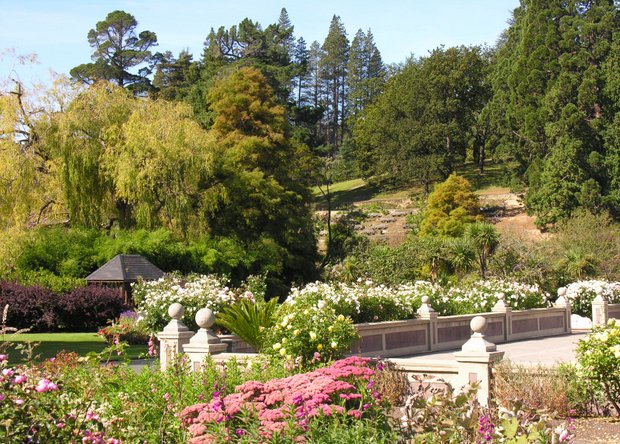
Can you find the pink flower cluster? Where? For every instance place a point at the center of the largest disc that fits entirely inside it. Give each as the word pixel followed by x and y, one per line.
pixel 324 392
pixel 45 385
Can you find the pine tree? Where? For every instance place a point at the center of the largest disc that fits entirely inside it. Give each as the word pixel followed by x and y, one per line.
pixel 333 67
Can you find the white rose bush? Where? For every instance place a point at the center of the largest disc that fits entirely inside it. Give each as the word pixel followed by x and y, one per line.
pixel 582 293
pixel 152 298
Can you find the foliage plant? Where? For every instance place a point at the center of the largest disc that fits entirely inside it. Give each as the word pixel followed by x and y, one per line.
pixel 598 357
pixel 305 333
pixel 153 298
pixel 581 294
pixel 292 408
pixel 443 415
pixel 249 319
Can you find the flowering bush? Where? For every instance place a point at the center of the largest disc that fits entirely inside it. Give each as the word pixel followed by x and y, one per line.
pixel 152 298
pixel 127 328
pixel 582 293
pixel 305 332
pixel 598 358
pixel 366 302
pixel 481 296
pixel 290 407
pixel 34 408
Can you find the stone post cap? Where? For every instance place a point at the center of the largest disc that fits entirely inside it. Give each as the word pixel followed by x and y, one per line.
pixel 562 300
pixel 500 305
pixel 425 307
pixel 478 324
pixel 477 345
pixel 205 318
pixel 176 311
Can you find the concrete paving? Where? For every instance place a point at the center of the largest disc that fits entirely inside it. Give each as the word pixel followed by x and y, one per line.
pixel 543 351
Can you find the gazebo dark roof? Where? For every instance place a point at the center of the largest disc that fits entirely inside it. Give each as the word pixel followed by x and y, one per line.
pixel 125 268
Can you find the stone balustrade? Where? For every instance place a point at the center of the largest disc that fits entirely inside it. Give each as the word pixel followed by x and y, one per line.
pixel 602 310
pixel 430 333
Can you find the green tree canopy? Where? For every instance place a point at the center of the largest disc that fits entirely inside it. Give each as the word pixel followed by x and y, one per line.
pixel 116 49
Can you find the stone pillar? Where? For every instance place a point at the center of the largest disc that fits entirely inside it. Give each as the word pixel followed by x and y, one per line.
pixel 563 302
pixel 600 310
pixel 426 312
pixel 204 342
pixel 476 359
pixel 174 336
pixel 501 307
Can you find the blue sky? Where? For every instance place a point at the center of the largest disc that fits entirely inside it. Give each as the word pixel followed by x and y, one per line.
pixel 56 30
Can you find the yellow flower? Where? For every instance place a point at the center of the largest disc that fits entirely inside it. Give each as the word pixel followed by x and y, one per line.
pixel 334 344
pixel 319 347
pixel 330 328
pixel 296 332
pixel 312 335
pixel 277 346
pixel 284 340
pixel 341 318
pixel 282 351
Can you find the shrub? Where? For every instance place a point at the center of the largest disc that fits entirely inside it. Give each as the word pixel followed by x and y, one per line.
pixel 88 308
pixel 84 309
pixel 47 279
pixel 480 296
pixel 365 301
pixel 299 407
pixel 540 388
pixel 305 333
pixel 30 307
pixel 598 356
pixel 152 298
pixel 582 293
pixel 450 207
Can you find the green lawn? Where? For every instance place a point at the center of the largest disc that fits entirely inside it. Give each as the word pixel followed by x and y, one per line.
pixel 49 344
pixel 357 190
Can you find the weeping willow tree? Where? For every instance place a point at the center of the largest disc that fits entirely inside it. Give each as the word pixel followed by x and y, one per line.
pixel 90 128
pixel 164 168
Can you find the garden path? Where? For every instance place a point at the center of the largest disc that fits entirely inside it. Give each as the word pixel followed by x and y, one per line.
pixel 543 351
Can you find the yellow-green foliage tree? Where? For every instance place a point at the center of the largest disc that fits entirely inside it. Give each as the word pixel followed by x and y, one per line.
pixel 450 207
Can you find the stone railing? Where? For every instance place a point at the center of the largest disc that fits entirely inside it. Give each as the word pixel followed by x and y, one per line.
pixel 429 332
pixel 603 311
pixel 471 364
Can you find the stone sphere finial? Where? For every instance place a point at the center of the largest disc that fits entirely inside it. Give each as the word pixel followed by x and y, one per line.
pixel 562 291
pixel 599 291
pixel 175 311
pixel 425 299
pixel 501 296
pixel 478 324
pixel 205 318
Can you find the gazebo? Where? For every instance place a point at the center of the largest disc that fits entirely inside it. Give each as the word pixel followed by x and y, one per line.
pixel 122 270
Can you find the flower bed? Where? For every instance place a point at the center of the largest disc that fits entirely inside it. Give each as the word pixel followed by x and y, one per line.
pixel 287 406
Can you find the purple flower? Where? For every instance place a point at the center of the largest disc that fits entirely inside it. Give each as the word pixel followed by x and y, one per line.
pixel 3 358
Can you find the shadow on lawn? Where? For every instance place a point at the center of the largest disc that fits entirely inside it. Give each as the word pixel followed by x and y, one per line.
pixel 48 349
pixel 348 197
